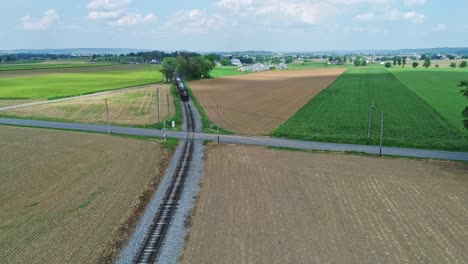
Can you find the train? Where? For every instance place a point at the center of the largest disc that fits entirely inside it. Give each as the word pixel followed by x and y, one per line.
pixel 184 96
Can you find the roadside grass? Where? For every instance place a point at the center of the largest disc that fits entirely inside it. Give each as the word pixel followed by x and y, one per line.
pixel 40 65
pixel 340 114
pixel 208 126
pixel 222 71
pixel 438 87
pixel 66 85
pixel 357 153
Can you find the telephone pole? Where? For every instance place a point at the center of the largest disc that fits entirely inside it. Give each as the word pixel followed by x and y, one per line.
pixel 217 121
pixel 168 108
pixel 158 107
pixel 370 121
pixel 107 113
pixel 381 134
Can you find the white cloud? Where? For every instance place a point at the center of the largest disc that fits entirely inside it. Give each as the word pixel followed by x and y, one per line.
pixel 286 12
pixel 133 19
pixel 365 17
pixel 414 2
pixel 439 27
pixel 49 18
pixel 412 16
pixel 95 15
pixel 108 4
pixel 194 21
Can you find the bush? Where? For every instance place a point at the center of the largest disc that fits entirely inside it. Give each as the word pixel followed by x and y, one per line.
pixel 453 65
pixel 415 64
pixel 388 64
pixel 463 64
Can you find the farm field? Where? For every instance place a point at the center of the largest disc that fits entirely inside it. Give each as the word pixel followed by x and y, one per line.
pixel 100 69
pixel 66 197
pixel 341 112
pixel 439 88
pixel 34 66
pixel 260 205
pixel 222 71
pixel 4 103
pixel 136 106
pixel 258 103
pixel 72 84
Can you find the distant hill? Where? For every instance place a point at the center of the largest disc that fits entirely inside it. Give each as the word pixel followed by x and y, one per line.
pixel 78 51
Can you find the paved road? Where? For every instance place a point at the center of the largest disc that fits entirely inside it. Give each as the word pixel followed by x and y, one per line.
pixel 250 140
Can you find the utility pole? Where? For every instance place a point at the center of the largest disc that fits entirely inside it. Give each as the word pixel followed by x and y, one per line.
pixel 168 108
pixel 217 121
pixel 381 134
pixel 107 113
pixel 370 121
pixel 158 107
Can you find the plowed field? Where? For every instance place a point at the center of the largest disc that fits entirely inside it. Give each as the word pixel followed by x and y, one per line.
pixel 128 107
pixel 65 196
pixel 260 205
pixel 259 103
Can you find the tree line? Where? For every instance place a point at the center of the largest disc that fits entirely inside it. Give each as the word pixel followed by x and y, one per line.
pixel 188 66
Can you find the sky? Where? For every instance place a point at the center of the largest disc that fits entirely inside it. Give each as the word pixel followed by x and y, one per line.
pixel 233 25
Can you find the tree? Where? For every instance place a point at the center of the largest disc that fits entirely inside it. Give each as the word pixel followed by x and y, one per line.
pixel 464 91
pixel 415 64
pixel 427 62
pixel 388 64
pixel 212 57
pixel 404 62
pixel 225 62
pixel 360 61
pixel 399 61
pixel 453 65
pixel 169 66
pixel 463 64
pixel 437 65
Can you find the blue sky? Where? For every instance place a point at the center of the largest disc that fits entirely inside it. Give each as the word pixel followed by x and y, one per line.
pixel 224 25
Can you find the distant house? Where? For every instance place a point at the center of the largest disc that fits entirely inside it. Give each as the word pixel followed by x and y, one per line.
pixel 155 62
pixel 282 66
pixel 251 68
pixel 236 62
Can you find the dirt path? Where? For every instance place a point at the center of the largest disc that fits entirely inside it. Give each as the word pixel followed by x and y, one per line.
pixel 259 103
pixel 260 205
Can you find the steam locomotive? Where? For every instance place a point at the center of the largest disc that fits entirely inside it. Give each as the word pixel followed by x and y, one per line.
pixel 184 96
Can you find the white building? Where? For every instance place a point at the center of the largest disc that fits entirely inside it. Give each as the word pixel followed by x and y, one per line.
pixel 236 62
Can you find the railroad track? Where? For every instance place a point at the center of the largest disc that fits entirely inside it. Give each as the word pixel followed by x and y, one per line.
pixel 155 237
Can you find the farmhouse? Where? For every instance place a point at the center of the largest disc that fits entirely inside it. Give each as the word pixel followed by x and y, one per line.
pixel 236 62
pixel 251 68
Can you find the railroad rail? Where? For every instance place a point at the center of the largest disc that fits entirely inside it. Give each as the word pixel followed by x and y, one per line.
pixel 155 237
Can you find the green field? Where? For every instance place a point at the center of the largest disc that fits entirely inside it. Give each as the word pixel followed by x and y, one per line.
pixel 65 85
pixel 438 87
pixel 340 114
pixel 36 66
pixel 221 71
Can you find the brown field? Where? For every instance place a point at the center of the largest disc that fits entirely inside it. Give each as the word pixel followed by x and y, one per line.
pixel 41 72
pixel 65 196
pixel 128 107
pixel 261 205
pixel 259 103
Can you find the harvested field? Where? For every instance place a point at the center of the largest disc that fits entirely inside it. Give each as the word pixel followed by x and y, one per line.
pixel 128 107
pixel 65 196
pixel 258 103
pixel 261 205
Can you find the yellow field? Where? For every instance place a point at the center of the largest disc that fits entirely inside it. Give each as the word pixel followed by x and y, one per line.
pixel 128 107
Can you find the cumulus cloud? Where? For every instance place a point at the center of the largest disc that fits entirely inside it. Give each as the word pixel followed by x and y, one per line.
pixel 108 4
pixel 133 19
pixel 365 17
pixel 414 2
pixel 96 15
pixel 439 27
pixel 49 18
pixel 411 16
pixel 116 13
pixel 194 21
